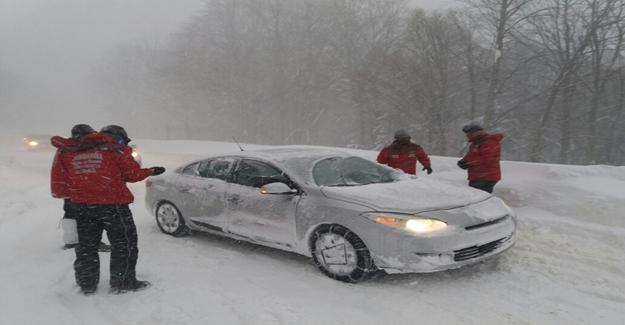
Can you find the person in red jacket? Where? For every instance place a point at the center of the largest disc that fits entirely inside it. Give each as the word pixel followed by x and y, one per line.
pixel 403 154
pixel 60 190
pixel 482 159
pixel 97 168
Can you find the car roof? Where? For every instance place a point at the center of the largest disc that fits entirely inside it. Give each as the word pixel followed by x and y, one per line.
pixel 285 153
pixel 296 160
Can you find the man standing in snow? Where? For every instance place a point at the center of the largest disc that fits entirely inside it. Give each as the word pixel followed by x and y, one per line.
pixel 98 166
pixel 403 154
pixel 482 159
pixel 60 190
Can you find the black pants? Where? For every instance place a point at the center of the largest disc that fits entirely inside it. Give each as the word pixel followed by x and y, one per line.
pixel 122 234
pixel 484 186
pixel 68 207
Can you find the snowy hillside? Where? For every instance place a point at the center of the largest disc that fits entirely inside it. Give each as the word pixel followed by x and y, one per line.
pixel 568 266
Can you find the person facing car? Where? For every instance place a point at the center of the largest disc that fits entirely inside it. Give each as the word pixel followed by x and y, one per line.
pixel 98 166
pixel 482 159
pixel 403 154
pixel 59 189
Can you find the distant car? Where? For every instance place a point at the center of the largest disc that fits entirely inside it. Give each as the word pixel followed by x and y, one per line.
pixel 37 142
pixel 351 215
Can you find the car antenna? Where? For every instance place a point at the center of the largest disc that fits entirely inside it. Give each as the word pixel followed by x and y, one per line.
pixel 237 142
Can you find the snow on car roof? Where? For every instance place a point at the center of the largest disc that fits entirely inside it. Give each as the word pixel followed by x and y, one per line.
pixel 293 152
pixel 297 160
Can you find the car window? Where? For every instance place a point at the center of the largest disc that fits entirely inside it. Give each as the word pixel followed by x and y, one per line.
pixel 190 170
pixel 256 174
pixel 216 168
pixel 203 169
pixel 351 171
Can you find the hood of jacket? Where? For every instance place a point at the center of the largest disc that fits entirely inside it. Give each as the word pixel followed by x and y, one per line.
pixel 90 141
pixel 398 145
pixel 479 136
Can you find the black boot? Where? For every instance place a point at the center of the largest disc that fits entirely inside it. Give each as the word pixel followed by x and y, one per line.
pixel 104 248
pixel 134 285
pixel 87 291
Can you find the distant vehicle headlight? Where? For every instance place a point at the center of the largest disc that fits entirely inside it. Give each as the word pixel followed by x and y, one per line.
pixel 33 143
pixel 414 223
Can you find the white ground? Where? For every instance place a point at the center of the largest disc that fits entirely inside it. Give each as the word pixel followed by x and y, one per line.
pixel 568 266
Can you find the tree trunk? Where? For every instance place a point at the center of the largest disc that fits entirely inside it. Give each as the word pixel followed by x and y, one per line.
pixel 612 142
pixel 565 126
pixel 493 85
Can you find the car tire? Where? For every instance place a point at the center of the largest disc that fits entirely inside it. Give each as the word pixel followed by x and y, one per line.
pixel 170 220
pixel 340 254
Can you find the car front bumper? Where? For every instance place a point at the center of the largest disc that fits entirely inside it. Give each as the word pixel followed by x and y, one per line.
pixel 405 253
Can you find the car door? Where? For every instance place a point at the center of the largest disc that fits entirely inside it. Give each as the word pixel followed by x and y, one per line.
pixel 208 192
pixel 202 192
pixel 267 218
pixel 185 196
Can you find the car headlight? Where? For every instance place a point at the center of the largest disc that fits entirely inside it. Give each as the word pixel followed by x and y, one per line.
pixel 411 222
pixel 33 143
pixel 134 154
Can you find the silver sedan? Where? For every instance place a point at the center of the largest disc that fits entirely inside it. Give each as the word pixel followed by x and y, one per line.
pixel 351 215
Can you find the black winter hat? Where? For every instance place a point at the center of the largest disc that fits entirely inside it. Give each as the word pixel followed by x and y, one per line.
pixel 401 134
pixel 80 130
pixel 117 132
pixel 472 128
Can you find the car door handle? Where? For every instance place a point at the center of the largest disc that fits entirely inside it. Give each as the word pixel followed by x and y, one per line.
pixel 233 199
pixel 184 189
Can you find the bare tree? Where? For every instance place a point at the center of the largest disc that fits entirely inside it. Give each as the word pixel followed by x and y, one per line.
pixel 466 27
pixel 502 16
pixel 562 34
pixel 615 146
pixel 607 45
pixel 432 42
pixel 341 72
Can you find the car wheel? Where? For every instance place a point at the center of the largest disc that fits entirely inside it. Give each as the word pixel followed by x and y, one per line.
pixel 170 220
pixel 340 254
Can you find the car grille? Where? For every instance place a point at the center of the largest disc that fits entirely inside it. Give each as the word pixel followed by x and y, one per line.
pixel 477 251
pixel 488 223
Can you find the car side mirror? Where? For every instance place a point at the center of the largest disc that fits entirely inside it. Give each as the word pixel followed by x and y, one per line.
pixel 277 188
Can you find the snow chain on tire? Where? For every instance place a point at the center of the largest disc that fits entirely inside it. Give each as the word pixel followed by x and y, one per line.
pixel 364 260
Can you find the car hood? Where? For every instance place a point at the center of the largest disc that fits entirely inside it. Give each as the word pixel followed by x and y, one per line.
pixel 409 196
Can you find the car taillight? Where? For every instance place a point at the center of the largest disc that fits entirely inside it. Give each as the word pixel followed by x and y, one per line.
pixel 148 182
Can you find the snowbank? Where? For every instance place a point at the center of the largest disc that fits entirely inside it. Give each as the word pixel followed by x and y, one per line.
pixel 567 267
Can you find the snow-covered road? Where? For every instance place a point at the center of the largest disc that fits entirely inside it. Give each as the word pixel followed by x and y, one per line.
pixel 568 266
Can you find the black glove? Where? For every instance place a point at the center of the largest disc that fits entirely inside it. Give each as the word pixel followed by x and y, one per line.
pixel 157 170
pixel 463 164
pixel 429 169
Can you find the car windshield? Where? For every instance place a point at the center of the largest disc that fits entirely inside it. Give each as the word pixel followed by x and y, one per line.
pixel 352 171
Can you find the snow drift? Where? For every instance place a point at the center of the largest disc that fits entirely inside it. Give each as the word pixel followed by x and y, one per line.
pixel 567 266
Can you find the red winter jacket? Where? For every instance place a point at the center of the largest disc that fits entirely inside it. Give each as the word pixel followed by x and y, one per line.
pixel 483 156
pixel 59 184
pixel 404 156
pixel 94 170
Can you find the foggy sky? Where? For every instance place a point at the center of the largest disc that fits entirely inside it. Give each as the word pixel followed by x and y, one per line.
pixel 50 46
